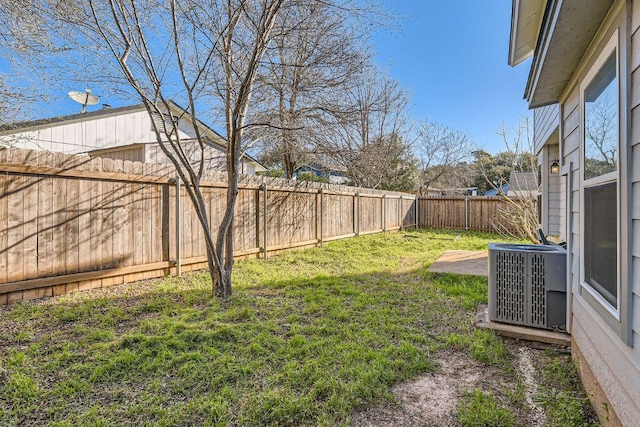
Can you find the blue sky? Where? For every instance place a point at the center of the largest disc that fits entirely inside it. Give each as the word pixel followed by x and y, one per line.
pixel 453 56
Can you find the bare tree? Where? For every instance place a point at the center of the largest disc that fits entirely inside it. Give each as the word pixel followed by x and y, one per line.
pixel 442 152
pixel 307 65
pixel 601 137
pixel 18 91
pixel 370 134
pixel 520 203
pixel 205 54
pixel 209 56
pixel 16 102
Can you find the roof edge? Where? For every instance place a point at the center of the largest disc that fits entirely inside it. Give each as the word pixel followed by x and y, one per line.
pixel 526 16
pixel 546 30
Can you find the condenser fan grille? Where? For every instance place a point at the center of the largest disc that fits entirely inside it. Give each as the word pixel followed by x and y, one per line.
pixel 527 285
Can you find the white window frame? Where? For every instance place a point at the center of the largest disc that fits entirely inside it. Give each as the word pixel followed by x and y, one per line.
pixel 611 46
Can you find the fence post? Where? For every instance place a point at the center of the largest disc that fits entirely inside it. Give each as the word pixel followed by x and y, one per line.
pixel 178 231
pixel 383 204
pixel 265 228
pixel 400 221
pixel 356 209
pixel 466 213
pixel 416 211
pixel 321 216
pixel 353 212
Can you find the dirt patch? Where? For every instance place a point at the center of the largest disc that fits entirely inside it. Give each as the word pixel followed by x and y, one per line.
pixel 527 372
pixel 432 400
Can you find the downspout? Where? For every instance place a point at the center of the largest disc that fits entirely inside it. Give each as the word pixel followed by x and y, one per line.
pixel 566 173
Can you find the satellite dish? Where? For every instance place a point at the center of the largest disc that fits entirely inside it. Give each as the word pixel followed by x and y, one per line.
pixel 84 98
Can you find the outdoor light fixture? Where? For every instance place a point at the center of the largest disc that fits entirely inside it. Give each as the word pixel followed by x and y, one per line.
pixel 555 167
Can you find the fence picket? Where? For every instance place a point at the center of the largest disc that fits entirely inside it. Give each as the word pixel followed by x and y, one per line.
pixel 68 223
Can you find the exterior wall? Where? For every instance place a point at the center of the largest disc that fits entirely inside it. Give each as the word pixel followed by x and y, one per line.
pixel 611 362
pixel 562 210
pixel 545 122
pixel 552 199
pixel 134 154
pixel 86 135
pixel 250 169
pixel 635 170
pixel 215 159
pixel 109 131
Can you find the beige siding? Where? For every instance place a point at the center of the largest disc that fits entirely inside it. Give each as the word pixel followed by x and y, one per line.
pixel 121 129
pixel 615 365
pixel 86 135
pixel 553 199
pixel 550 184
pixel 135 154
pixel 215 159
pixel 545 121
pixel 635 173
pixel 570 144
pixel 562 211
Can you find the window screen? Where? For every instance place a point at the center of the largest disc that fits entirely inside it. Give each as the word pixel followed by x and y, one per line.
pixel 601 240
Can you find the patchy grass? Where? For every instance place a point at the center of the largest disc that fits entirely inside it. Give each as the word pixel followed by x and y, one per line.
pixel 307 338
pixel 480 409
pixel 561 394
pixel 482 345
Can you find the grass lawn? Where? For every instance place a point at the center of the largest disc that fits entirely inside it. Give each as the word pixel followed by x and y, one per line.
pixel 308 338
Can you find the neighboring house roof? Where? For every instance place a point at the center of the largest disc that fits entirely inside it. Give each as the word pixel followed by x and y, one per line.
pixel 10 128
pixel 335 170
pixel 432 191
pixel 523 181
pixel 564 35
pixel 503 189
pixel 210 135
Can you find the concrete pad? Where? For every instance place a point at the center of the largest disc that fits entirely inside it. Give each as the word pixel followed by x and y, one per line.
pixel 520 332
pixel 474 263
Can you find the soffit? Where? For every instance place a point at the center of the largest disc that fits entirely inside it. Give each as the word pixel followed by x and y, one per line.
pixel 567 30
pixel 526 17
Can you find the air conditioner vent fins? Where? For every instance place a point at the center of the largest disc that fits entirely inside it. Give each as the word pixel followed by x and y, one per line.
pixel 527 285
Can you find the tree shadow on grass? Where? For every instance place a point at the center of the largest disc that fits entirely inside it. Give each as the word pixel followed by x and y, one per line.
pixel 294 351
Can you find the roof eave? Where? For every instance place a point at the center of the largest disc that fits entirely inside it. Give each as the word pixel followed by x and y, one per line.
pixel 560 48
pixel 526 16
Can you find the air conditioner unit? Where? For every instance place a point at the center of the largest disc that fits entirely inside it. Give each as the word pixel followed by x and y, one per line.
pixel 527 285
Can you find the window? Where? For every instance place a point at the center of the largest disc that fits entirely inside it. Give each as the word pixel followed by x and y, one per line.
pixel 600 190
pixel 601 122
pixel 601 241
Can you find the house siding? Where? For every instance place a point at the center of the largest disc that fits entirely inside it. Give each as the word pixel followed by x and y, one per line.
pixel 545 122
pixel 562 211
pixel 214 159
pixel 135 154
pixel 121 129
pixel 571 154
pixel 86 135
pixel 554 201
pixel 551 189
pixel 635 173
pixel 614 364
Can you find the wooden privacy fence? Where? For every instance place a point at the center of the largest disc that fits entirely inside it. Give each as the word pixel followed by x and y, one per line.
pixel 478 213
pixel 71 222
